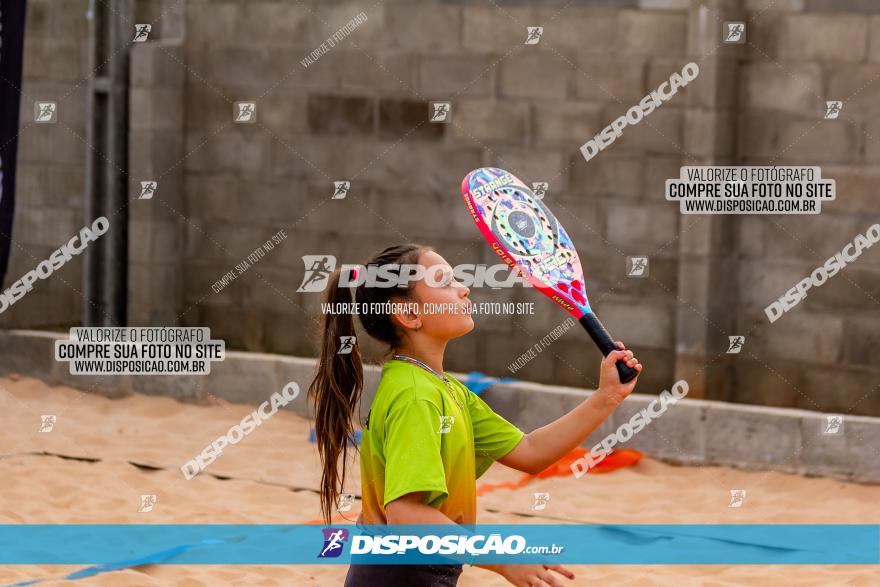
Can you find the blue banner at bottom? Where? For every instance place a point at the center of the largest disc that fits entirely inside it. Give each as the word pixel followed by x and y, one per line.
pixel 180 544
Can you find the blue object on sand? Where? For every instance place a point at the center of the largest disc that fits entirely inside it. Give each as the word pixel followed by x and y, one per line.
pixel 153 558
pixel 478 382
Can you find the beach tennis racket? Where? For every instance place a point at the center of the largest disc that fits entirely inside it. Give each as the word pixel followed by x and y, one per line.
pixel 526 235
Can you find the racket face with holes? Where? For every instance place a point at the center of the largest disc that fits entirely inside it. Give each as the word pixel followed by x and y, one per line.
pixel 526 235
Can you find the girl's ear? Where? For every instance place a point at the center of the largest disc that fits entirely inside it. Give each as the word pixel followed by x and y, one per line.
pixel 406 316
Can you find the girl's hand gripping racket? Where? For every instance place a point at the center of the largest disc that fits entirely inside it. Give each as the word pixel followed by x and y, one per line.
pixel 526 235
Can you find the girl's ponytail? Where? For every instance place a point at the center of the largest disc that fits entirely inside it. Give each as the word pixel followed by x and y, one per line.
pixel 336 391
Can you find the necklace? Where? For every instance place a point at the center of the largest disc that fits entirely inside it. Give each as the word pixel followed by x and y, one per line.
pixel 427 368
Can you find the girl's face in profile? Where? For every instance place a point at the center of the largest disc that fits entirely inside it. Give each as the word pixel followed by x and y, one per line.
pixel 443 302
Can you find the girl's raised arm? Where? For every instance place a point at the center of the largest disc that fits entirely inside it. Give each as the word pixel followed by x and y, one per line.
pixel 542 447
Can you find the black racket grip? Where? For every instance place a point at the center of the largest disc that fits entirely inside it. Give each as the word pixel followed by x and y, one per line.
pixel 603 340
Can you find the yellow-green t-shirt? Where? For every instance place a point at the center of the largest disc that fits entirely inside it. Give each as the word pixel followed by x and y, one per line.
pixel 419 439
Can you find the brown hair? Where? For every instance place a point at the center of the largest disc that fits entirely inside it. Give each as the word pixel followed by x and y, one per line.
pixel 339 380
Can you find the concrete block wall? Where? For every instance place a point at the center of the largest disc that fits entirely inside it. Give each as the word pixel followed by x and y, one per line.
pixel 359 114
pixel 156 226
pixel 814 356
pixel 49 208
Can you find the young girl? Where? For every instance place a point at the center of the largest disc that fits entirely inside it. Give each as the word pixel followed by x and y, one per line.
pixel 427 438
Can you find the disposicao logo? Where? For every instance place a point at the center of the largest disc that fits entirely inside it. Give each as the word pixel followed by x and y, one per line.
pixel 334 542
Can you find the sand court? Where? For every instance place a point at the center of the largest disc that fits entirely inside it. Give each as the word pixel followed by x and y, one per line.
pixel 103 454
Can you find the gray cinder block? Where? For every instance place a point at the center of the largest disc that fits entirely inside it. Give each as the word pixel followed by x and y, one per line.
pixel 816 37
pixel 853 453
pixel 678 435
pixel 28 352
pixel 761 437
pixel 243 377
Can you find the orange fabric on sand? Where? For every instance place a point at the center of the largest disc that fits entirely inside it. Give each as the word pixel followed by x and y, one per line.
pixel 342 518
pixel 616 459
